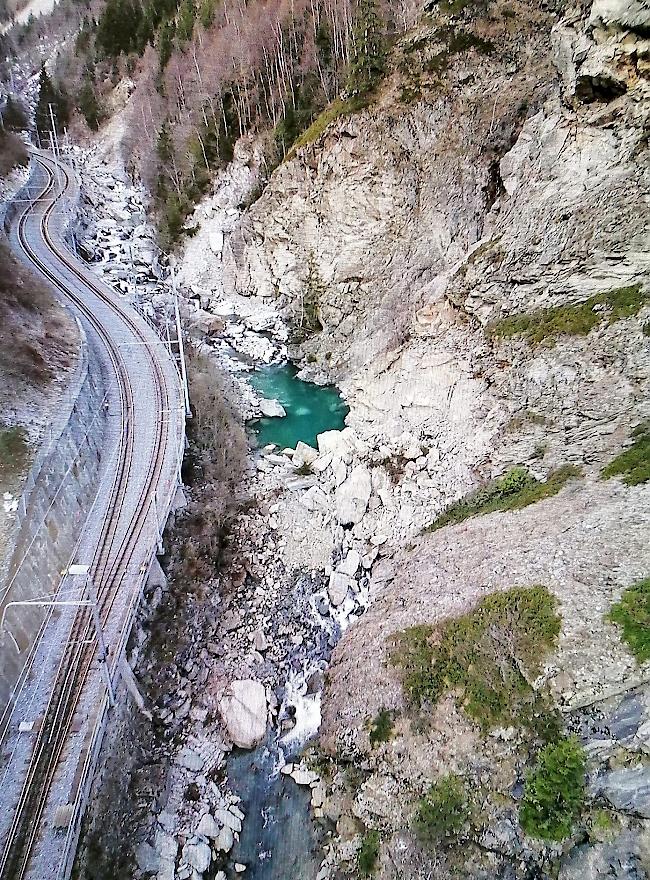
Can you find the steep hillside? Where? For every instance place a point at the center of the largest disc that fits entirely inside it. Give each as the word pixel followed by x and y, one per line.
pixel 38 346
pixel 472 251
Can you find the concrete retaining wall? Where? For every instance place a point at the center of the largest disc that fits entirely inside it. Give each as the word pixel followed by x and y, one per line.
pixel 58 494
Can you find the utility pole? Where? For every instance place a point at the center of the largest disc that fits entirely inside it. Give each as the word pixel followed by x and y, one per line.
pixel 181 351
pixel 55 141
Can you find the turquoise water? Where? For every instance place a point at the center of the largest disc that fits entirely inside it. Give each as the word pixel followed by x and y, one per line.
pixel 311 409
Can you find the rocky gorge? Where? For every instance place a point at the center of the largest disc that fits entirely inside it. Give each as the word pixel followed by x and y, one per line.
pixel 466 260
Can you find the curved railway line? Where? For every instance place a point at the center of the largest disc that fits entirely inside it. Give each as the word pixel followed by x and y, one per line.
pixel 120 541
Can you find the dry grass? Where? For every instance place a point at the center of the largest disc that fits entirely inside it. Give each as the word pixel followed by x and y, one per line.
pixel 13 152
pixel 213 468
pixel 36 342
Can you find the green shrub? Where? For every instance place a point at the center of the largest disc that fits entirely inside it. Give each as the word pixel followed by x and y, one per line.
pixel 554 791
pixel 516 489
pixel 443 811
pixel 381 727
pixel 632 465
pixel 368 853
pixel 545 325
pixel 487 656
pixel 632 613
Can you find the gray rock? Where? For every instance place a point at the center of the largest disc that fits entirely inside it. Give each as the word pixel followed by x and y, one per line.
pixel 272 408
pixel 627 789
pixel 208 827
pixel 228 820
pixel 337 588
pixel 618 860
pixel 190 759
pixel 147 858
pixel 350 563
pixel 198 855
pixel 304 454
pixel 627 718
pixel 624 14
pixel 225 841
pixel 353 495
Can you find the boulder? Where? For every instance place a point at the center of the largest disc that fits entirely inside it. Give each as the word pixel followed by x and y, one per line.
pixel 337 588
pixel 147 858
pixel 304 454
pixel 226 840
pixel 350 563
pixel 272 409
pixel 621 14
pixel 228 820
pixel 190 759
pixel 198 855
pixel 208 827
pixel 622 859
pixel 335 443
pixel 628 789
pixel 243 709
pixel 353 495
pixel 215 240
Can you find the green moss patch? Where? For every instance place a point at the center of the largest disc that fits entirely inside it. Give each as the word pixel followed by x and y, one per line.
pixel 336 110
pixel 554 791
pixel 443 811
pixel 546 325
pixel 488 657
pixel 14 453
pixel 381 728
pixel 368 853
pixel 632 465
pixel 516 489
pixel 632 614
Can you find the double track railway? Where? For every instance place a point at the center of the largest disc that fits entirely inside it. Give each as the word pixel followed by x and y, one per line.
pixel 142 468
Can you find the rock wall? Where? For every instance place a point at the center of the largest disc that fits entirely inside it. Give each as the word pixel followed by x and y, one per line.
pixel 58 494
pixel 516 182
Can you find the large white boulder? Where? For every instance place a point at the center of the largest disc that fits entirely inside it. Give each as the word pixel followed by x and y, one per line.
pixel 337 588
pixel 243 709
pixel 334 442
pixel 304 454
pixel 272 408
pixel 625 14
pixel 353 495
pixel 197 854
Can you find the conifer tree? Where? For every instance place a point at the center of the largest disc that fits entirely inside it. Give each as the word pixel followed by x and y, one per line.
pixel 368 51
pixel 165 43
pixel 14 117
pixel 186 19
pixel 119 27
pixel 49 94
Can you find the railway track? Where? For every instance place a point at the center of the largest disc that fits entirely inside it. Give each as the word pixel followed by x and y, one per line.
pixel 122 534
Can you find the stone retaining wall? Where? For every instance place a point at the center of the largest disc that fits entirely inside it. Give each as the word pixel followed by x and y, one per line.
pixel 58 493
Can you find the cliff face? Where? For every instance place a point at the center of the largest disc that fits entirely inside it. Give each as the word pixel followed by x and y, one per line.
pixel 517 181
pixel 502 172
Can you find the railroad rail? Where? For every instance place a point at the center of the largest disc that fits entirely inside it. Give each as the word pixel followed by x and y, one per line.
pixel 52 740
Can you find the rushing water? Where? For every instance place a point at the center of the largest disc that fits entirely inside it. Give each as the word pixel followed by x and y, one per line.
pixel 311 409
pixel 277 840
